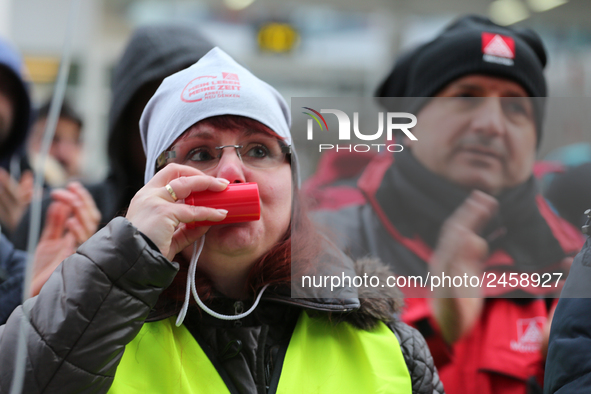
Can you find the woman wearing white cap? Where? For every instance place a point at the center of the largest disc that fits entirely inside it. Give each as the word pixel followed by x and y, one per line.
pixel 117 316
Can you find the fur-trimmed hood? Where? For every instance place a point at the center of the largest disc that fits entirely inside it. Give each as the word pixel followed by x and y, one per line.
pixel 375 303
pixel 371 304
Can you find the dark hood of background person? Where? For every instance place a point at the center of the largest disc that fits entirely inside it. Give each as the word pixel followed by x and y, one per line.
pixel 152 54
pixel 14 85
pixel 424 71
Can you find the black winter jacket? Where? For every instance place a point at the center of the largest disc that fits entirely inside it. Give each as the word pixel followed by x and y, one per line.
pixel 98 299
pixel 568 365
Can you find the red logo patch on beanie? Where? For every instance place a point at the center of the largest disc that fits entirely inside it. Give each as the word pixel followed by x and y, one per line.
pixel 208 87
pixel 497 48
pixel 230 76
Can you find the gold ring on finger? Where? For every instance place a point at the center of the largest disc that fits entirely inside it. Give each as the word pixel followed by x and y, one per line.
pixel 171 192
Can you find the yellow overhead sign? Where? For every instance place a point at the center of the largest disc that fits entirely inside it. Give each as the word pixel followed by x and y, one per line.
pixel 277 37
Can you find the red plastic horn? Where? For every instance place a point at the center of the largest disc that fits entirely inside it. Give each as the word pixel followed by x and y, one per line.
pixel 241 200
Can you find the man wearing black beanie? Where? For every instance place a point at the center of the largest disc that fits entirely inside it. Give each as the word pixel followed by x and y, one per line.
pixel 462 200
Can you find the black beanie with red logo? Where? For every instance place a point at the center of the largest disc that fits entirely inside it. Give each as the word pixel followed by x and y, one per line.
pixel 471 45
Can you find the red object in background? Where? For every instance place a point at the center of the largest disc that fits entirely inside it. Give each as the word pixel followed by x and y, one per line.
pixel 334 184
pixel 241 200
pixel 545 167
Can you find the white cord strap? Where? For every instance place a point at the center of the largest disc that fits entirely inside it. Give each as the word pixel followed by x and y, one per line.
pixel 191 289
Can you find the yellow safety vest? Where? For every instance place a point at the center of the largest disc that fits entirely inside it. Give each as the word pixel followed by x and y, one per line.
pixel 322 357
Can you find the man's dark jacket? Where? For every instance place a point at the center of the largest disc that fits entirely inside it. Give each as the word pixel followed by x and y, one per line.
pixel 407 205
pixel 568 365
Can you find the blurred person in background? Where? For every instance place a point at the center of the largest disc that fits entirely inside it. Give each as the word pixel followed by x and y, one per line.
pixel 481 345
pixel 72 214
pixel 115 317
pixel 65 154
pixel 68 218
pixel 14 195
pixel 16 187
pixel 568 366
pixel 152 54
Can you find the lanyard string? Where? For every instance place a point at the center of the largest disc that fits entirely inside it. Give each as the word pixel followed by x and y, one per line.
pixel 191 289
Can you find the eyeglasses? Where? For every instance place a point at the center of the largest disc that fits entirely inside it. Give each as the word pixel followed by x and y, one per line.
pixel 206 157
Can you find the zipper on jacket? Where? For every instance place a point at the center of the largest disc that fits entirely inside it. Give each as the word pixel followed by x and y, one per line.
pixel 269 365
pixel 275 369
pixel 238 309
pixel 231 350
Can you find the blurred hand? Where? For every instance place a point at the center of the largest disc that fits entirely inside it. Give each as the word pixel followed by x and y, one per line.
pixel 85 216
pixel 460 250
pixel 72 218
pixel 54 245
pixel 153 210
pixel 15 197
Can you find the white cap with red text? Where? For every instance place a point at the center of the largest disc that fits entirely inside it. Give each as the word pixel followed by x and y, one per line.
pixel 215 85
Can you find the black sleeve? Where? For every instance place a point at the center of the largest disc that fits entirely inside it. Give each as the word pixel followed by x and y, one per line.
pixel 423 373
pixel 12 276
pixel 91 307
pixel 568 366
